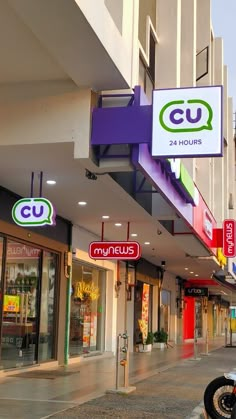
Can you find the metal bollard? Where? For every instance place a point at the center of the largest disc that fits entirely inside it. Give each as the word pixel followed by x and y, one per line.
pixel 226 333
pixel 118 362
pixel 207 341
pixel 231 337
pixel 124 361
pixel 195 343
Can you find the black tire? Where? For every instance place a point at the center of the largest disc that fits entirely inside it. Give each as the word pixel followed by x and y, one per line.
pixel 219 398
pixel 233 415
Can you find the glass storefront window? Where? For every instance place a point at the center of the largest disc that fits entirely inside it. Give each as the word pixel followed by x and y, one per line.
pixel 87 309
pixel 20 305
pixel 28 306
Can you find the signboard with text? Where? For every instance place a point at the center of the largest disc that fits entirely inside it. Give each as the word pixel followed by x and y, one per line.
pixel 229 238
pixel 196 292
pixel 115 250
pixel 187 122
pixel 33 212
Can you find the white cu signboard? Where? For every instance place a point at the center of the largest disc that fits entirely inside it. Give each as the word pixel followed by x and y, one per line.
pixel 187 122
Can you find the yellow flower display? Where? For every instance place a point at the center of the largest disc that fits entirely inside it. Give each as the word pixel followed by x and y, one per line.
pixel 143 326
pixel 87 290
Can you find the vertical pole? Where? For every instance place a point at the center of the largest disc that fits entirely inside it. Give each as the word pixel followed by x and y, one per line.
pixel 207 341
pixel 32 185
pixel 102 235
pixel 126 371
pixel 230 332
pixel 195 343
pixel 68 296
pixel 40 184
pixel 128 231
pixel 226 332
pixel 117 362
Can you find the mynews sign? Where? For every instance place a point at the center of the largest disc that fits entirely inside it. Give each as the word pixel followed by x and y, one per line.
pixel 187 122
pixel 115 250
pixel 229 238
pixel 196 292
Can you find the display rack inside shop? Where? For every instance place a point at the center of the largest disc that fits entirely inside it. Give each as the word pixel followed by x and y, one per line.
pixel 20 285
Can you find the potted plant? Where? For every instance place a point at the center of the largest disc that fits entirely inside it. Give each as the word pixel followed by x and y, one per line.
pixel 160 339
pixel 146 346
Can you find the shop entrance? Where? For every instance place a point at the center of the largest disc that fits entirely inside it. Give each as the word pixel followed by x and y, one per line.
pixel 87 315
pixel 28 304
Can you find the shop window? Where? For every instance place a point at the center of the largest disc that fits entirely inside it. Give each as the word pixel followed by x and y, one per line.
pixel 28 305
pixel 20 305
pixel 142 310
pixel 202 63
pixel 147 73
pixel 87 317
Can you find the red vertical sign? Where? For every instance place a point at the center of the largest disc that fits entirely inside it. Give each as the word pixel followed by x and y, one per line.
pixel 229 230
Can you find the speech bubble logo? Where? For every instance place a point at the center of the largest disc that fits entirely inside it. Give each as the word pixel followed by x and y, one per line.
pixel 186 116
pixel 33 212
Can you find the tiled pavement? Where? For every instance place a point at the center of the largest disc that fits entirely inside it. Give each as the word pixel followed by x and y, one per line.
pixel 168 385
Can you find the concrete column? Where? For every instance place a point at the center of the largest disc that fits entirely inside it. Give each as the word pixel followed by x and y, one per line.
pixel 231 164
pixel 168 50
pixel 218 176
pixel 204 36
pixel 188 43
pixel 227 168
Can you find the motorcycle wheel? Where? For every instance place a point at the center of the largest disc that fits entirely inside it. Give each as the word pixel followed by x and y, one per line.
pixel 219 398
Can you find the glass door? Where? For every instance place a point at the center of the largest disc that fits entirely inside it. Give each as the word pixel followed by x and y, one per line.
pixel 47 307
pixel 20 305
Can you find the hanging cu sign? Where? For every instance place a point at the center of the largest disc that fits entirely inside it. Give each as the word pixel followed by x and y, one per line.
pixel 115 250
pixel 33 212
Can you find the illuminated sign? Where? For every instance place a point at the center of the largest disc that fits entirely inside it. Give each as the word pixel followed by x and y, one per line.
pixel 196 292
pixel 11 303
pixel 187 122
pixel 115 250
pixel 229 230
pixel 221 258
pixel 33 212
pixel 207 224
pixel 184 179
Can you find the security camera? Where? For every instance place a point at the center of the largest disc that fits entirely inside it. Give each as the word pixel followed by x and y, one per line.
pixel 90 175
pixel 159 232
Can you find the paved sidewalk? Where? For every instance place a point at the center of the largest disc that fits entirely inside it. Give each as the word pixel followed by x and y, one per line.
pixel 169 385
pixel 172 392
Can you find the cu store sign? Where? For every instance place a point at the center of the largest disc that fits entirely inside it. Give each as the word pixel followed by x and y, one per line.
pixel 229 230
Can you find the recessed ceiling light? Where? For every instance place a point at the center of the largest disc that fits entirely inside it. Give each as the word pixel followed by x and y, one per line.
pixel 134 234
pixel 105 216
pixel 196 274
pixel 186 269
pixel 192 272
pixel 51 182
pixel 82 203
pixel 146 242
pixel 118 224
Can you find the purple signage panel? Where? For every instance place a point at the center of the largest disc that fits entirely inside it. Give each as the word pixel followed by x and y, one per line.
pixel 122 125
pixel 152 170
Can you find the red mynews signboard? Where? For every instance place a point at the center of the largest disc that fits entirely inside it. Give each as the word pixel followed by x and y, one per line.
pixel 229 230
pixel 115 250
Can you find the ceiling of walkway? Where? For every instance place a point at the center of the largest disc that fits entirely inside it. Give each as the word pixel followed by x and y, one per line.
pixel 23 29
pixel 103 196
pixel 34 39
